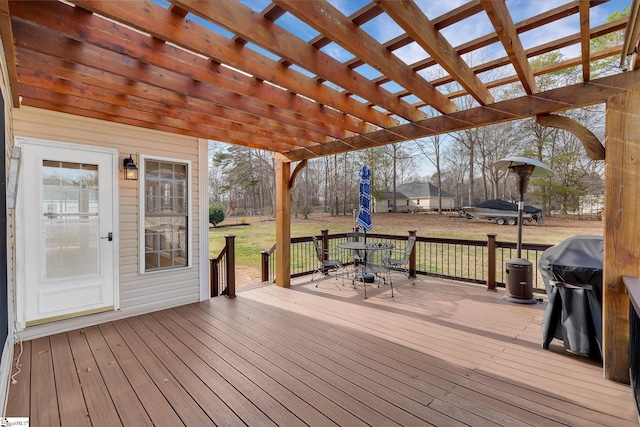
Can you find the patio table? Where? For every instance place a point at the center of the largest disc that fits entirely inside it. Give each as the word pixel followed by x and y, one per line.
pixel 364 268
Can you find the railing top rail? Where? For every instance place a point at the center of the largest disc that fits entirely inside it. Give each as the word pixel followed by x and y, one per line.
pixel 221 255
pixel 632 284
pixel 272 250
pixel 469 242
pixel 529 246
pixel 451 240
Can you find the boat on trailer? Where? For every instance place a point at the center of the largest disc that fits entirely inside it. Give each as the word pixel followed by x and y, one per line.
pixel 502 212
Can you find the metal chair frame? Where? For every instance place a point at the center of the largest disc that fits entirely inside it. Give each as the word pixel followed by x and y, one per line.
pixel 326 265
pixel 401 263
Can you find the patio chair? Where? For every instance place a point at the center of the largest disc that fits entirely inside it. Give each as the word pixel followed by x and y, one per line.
pixel 401 263
pixel 327 263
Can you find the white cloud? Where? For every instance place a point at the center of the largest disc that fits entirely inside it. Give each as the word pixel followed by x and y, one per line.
pixel 411 53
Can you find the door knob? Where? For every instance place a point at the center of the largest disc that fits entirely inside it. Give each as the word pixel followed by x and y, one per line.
pixel 109 236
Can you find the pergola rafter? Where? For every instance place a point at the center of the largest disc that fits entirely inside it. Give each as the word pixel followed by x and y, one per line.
pixel 162 61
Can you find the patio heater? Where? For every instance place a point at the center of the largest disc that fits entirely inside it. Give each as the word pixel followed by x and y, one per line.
pixel 519 286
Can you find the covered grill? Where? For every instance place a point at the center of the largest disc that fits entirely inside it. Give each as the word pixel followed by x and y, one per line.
pixel 572 274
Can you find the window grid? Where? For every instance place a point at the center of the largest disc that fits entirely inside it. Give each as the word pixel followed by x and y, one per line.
pixel 166 214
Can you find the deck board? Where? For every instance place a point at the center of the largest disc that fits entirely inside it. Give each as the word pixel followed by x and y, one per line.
pixel 20 382
pixel 413 378
pixel 205 397
pixel 43 409
pixel 73 409
pixel 225 394
pixel 141 384
pixel 124 399
pixel 336 381
pixel 438 353
pixel 222 370
pixel 173 390
pixel 305 402
pixel 100 406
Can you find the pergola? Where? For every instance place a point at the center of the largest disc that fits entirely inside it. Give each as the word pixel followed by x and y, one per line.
pixel 221 71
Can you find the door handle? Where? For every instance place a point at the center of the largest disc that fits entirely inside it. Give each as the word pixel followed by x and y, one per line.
pixel 109 236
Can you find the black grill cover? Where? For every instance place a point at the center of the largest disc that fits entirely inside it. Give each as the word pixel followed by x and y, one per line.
pixel 574 315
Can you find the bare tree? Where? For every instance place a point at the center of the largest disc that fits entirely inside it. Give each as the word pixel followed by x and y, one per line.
pixel 497 142
pixel 381 168
pixel 456 169
pixel 431 148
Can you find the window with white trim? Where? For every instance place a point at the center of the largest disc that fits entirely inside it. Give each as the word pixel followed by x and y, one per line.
pixel 166 214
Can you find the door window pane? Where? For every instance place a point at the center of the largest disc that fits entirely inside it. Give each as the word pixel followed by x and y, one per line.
pixel 70 219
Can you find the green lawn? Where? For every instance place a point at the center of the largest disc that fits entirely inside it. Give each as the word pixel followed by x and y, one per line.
pixel 257 234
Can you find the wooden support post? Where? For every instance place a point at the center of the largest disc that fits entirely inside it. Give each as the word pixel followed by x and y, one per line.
pixel 491 255
pixel 283 224
pixel 622 228
pixel 412 257
pixel 231 266
pixel 325 244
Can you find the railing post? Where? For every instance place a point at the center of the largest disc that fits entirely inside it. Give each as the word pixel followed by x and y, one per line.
pixel 265 266
pixel 412 257
pixel 213 275
pixel 231 266
pixel 491 255
pixel 325 243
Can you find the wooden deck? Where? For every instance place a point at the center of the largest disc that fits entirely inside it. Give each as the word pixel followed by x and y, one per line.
pixel 438 353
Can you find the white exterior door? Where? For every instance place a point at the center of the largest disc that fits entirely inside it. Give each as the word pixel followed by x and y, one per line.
pixel 67 233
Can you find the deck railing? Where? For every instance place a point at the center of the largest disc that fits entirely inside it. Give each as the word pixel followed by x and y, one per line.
pixel 475 261
pixel 223 270
pixel 632 285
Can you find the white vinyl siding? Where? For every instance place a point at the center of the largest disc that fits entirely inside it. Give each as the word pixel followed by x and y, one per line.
pixel 139 293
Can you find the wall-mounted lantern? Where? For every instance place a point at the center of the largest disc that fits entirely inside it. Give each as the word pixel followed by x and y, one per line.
pixel 130 168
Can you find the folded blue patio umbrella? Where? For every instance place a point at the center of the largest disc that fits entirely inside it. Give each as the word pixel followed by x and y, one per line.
pixel 364 216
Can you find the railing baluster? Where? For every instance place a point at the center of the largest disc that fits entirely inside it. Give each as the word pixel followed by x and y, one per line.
pixel 264 256
pixel 473 260
pixel 491 261
pixel 213 274
pixel 222 270
pixel 231 266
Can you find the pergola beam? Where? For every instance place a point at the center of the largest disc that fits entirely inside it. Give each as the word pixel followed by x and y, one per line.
pixel 114 49
pixel 506 31
pixel 147 16
pixel 554 100
pixel 6 34
pixel 409 16
pixel 631 36
pixel 329 21
pixel 195 100
pixel 241 20
pixel 585 39
pixel 598 31
pixel 592 145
